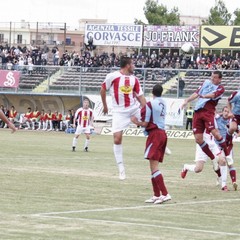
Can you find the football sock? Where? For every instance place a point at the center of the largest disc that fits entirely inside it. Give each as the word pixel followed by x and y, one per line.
pixel 86 143
pixel 160 182
pixel 156 190
pixel 204 146
pixel 117 150
pixel 28 125
pixel 233 175
pixel 190 167
pixel 228 138
pixel 223 145
pixel 74 143
pixel 223 170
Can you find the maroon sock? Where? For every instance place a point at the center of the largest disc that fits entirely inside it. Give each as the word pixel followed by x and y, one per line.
pixel 156 189
pixel 222 143
pixel 229 138
pixel 218 172
pixel 233 175
pixel 161 185
pixel 204 146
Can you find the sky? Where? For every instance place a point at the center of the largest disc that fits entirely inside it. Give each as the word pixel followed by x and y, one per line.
pixel 115 11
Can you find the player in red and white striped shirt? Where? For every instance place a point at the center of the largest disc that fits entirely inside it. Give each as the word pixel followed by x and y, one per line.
pixel 84 118
pixel 126 93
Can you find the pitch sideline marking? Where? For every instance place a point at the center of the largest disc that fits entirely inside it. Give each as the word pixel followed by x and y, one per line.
pixel 143 225
pixel 135 207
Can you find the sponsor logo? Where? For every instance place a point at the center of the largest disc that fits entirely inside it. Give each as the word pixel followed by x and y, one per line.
pixel 10 80
pixel 85 118
pixel 126 89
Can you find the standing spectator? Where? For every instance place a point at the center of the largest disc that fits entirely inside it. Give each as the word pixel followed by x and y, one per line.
pixel 125 90
pixel 181 85
pixel 153 119
pixel 84 118
pixel 189 114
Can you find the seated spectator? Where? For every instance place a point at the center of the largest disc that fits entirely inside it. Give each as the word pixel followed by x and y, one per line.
pixel 12 115
pixel 57 121
pixel 42 120
pixel 26 118
pixel 35 118
pixel 49 117
pixel 67 120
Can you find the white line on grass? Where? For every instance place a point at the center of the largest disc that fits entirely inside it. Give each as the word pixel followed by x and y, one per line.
pixel 143 225
pixel 137 207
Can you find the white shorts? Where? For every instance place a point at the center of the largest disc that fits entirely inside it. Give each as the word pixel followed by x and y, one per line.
pixel 202 156
pixel 121 120
pixel 81 130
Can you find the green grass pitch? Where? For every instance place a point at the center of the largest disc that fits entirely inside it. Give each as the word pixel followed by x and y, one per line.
pixel 49 192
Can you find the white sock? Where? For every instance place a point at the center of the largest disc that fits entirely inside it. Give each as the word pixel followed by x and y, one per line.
pixel 223 170
pixel 86 143
pixel 28 124
pixel 74 143
pixel 117 150
pixel 190 167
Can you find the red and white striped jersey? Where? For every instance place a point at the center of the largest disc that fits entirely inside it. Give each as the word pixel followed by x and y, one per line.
pixel 123 89
pixel 84 117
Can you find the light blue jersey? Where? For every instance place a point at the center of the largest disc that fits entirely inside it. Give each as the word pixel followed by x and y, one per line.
pixel 235 100
pixel 155 114
pixel 207 88
pixel 222 125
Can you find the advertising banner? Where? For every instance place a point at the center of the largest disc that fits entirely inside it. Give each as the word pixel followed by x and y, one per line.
pixel 170 36
pixel 9 78
pixel 114 34
pixel 220 37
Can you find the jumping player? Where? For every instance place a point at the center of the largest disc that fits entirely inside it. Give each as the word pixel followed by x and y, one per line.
pixel 204 116
pixel 153 119
pixel 125 91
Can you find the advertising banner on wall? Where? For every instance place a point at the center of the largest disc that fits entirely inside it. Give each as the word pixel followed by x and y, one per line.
pixel 170 36
pixel 220 37
pixel 9 79
pixel 114 34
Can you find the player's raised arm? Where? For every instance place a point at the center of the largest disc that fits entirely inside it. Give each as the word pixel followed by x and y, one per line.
pixel 104 100
pixel 189 99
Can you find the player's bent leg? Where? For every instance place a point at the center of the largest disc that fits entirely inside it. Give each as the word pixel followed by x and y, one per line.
pixel 223 170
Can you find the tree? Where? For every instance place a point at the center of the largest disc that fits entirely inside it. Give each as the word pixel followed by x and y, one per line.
pixel 219 15
pixel 159 15
pixel 236 21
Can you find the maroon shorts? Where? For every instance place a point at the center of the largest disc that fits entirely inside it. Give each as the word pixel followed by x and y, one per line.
pixel 202 120
pixel 155 145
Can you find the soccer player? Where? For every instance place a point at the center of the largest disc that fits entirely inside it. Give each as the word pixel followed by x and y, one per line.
pixel 204 115
pixel 49 116
pixel 153 119
pixel 42 120
pixel 223 121
pixel 125 91
pixel 84 118
pixel 234 113
pixel 201 159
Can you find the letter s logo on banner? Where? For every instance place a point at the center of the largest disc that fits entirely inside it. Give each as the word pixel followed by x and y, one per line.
pixel 10 80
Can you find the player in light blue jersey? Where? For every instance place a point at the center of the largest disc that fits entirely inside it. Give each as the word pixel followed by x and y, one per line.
pixel 222 122
pixel 153 119
pixel 234 113
pixel 207 97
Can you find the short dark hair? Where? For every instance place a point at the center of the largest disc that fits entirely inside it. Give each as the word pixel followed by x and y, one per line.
pixel 124 61
pixel 224 108
pixel 219 73
pixel 157 90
